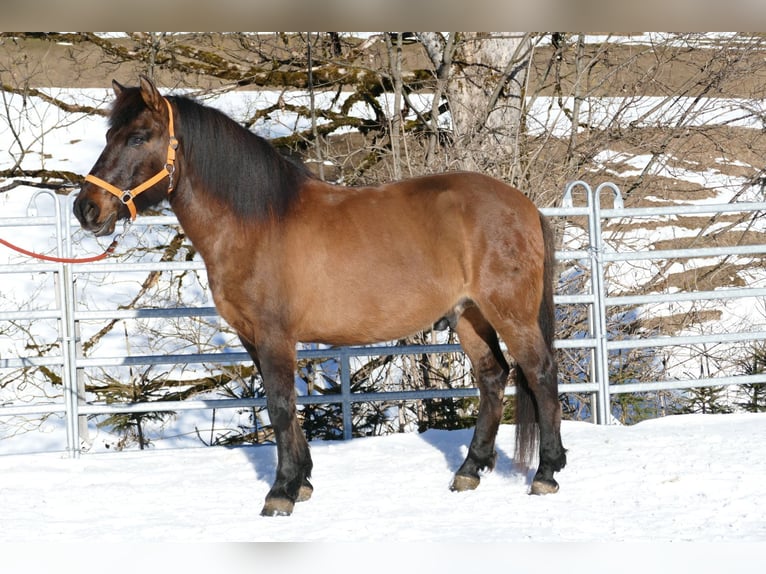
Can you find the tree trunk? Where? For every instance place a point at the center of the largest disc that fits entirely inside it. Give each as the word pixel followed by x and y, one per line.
pixel 485 89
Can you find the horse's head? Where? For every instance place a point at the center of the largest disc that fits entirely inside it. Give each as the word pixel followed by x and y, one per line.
pixel 135 169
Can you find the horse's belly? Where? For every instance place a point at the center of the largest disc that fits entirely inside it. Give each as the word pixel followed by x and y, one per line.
pixel 353 317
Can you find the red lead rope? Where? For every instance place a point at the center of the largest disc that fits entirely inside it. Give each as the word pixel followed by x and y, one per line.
pixel 109 251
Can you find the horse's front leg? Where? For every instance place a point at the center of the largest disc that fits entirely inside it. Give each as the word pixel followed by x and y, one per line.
pixel 277 365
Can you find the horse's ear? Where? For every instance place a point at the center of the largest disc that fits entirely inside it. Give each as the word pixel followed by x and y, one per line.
pixel 151 95
pixel 117 87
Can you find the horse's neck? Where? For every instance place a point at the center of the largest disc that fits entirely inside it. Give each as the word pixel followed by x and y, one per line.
pixel 214 231
pixel 200 216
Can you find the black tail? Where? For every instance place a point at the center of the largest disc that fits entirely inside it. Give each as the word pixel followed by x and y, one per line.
pixel 527 430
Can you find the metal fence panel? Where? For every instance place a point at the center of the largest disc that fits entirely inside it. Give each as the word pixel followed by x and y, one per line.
pixel 71 361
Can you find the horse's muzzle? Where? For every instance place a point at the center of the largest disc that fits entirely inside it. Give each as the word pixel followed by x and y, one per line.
pixel 87 213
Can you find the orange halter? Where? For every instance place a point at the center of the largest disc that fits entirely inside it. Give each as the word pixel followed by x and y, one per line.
pixel 126 196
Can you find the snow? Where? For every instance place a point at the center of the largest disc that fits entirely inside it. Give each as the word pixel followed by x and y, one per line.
pixel 546 115
pixel 696 478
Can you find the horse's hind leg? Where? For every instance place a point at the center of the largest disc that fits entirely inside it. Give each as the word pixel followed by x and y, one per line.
pixel 536 382
pixel 277 367
pixel 480 343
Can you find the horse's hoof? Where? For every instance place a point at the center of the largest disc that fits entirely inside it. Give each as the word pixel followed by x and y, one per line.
pixel 541 486
pixel 463 482
pixel 278 507
pixel 305 492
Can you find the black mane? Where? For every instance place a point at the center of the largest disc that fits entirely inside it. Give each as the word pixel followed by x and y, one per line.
pixel 237 166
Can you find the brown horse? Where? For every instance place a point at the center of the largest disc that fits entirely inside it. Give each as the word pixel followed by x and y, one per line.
pixel 293 259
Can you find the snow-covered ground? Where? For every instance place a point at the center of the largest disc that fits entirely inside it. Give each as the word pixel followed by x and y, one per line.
pixel 676 479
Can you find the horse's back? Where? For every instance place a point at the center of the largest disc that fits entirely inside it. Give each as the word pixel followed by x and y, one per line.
pixel 437 202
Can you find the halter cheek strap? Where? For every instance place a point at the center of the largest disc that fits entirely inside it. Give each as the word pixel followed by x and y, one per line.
pixel 126 196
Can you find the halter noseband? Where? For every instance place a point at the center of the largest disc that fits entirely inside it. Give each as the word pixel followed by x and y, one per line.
pixel 127 196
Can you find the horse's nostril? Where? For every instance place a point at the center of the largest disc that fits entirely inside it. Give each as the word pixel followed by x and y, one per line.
pixel 91 211
pixel 86 210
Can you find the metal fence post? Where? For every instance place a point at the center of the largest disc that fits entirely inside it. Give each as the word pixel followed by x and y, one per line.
pixel 599 287
pixel 69 344
pixel 597 315
pixel 345 389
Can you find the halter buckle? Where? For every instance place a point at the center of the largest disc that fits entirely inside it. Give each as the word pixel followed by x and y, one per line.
pixel 127 196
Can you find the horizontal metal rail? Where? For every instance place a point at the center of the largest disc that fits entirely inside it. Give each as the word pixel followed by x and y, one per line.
pixel 685 253
pixel 321 399
pixel 697 383
pixel 683 340
pixel 26 362
pixel 717 295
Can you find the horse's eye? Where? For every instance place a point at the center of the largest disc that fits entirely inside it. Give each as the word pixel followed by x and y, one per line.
pixel 136 140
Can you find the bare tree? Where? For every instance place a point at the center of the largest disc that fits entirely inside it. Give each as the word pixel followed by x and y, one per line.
pixel 483 77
